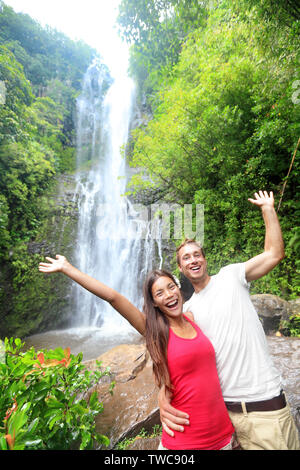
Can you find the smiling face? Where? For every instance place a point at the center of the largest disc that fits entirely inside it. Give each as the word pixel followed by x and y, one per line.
pixel 192 263
pixel 167 297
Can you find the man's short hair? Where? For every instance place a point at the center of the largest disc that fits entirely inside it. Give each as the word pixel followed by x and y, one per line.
pixel 188 241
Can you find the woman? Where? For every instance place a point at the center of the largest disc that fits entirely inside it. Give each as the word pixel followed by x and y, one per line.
pixel 183 358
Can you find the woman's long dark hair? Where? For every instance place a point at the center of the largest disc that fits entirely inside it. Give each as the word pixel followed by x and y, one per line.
pixel 157 330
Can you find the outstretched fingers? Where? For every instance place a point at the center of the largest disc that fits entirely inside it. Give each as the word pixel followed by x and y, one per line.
pixel 54 265
pixel 262 198
pixel 44 267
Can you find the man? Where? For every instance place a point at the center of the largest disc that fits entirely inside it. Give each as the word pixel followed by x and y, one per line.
pixel 223 309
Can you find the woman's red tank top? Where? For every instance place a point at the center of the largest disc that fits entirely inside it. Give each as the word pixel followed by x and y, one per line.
pixel 197 391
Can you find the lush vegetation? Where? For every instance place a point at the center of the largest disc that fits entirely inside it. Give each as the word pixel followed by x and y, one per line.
pixel 219 82
pixel 44 400
pixel 143 434
pixel 41 72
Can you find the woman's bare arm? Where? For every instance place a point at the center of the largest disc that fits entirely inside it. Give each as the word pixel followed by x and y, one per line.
pixel 120 303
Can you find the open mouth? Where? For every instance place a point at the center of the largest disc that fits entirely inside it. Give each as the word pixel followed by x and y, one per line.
pixel 195 268
pixel 172 304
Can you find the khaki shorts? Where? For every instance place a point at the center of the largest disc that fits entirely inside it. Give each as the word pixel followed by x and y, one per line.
pixel 266 430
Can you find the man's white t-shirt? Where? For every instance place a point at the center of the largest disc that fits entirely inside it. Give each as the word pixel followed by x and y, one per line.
pixel 224 312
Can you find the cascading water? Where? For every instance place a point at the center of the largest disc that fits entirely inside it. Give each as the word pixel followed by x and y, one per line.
pixel 112 246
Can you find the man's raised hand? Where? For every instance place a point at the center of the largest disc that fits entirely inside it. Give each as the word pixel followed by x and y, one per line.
pixel 262 198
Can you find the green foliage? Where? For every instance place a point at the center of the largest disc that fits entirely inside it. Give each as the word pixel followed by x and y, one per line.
pixel 286 11
pixel 4 217
pixel 225 124
pixel 156 29
pixel 18 89
pixel 294 325
pixel 41 71
pixel 18 95
pixel 25 171
pixel 44 401
pixel 143 434
pixel 44 52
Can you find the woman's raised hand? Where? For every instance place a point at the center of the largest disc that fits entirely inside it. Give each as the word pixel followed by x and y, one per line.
pixel 55 265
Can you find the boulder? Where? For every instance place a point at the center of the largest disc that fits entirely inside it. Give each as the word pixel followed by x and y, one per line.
pixel 285 353
pixel 133 404
pixel 271 310
pixel 294 306
pixel 275 313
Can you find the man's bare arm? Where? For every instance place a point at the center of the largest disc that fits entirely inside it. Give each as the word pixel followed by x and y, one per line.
pixel 171 419
pixel 273 253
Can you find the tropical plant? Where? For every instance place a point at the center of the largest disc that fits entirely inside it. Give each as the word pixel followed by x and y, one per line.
pixel 44 399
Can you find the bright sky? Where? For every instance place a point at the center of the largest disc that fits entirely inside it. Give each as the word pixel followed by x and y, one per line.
pixel 93 21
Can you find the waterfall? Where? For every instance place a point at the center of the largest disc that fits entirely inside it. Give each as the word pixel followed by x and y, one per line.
pixel 112 245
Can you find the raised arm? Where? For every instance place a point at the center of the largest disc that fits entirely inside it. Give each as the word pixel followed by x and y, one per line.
pixel 274 247
pixel 135 317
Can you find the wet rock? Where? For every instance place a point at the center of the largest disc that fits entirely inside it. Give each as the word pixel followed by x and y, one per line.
pixel 286 356
pixel 294 306
pixel 271 310
pixel 133 405
pixel 276 314
pixel 150 443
